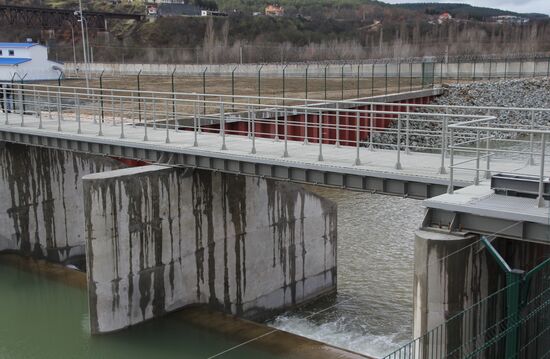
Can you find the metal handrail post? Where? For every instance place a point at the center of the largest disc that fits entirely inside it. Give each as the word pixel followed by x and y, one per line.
pixel 450 189
pixel 531 161
pixel 306 124
pixel 253 151
pixel 100 133
pixel 307 73
pixel 372 79
pixel 195 129
pixel 233 87
pixel 139 95
pixel 398 162
pixel 357 124
pixel 122 119
pixel 442 170
pixel 49 100
pixel 342 82
pixel 371 128
pixel 167 140
pixel 222 125
pixel 337 124
pixel 154 102
pixel 34 97
pixel 358 80
pixel 199 118
pixel 285 153
pixel 320 158
pixel 101 93
pixel 40 124
pixel 276 139
pixel 22 109
pixel 407 131
pixel 173 86
pixel 132 114
pixel 540 198
pixel 59 109
pixel 248 121
pixel 478 154
pixel 204 91
pixel 6 110
pixel 325 85
pixel 175 116
pixel 284 83
pixel 77 108
pixel 145 137
pixel 488 153
pixel 113 107
pixel 410 76
pixel 386 81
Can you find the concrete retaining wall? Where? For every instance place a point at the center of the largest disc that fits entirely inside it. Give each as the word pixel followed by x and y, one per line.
pixel 159 239
pixel 41 200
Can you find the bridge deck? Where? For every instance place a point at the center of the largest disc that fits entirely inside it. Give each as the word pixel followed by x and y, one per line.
pixel 338 162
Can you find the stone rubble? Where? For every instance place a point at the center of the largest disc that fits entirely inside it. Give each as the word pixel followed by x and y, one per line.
pixel 521 93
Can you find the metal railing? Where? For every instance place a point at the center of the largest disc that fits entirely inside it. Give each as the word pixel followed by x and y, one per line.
pixel 516 314
pixel 331 80
pixel 494 140
pixel 458 135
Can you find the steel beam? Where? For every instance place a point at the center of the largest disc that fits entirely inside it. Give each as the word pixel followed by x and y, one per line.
pixel 288 171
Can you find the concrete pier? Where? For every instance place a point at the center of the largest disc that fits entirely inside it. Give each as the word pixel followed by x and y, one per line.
pixel 159 239
pixel 41 200
pixel 454 270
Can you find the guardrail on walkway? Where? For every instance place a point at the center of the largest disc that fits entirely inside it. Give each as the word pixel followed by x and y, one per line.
pixel 446 131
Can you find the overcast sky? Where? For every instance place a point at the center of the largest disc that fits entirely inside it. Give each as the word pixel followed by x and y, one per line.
pixel 540 6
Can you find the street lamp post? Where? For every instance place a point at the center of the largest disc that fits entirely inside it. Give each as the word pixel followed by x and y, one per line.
pixel 81 20
pixel 74 48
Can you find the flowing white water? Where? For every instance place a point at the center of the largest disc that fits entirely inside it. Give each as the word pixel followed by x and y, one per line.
pixel 372 312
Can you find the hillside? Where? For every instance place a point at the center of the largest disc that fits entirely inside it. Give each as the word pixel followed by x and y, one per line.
pixel 464 11
pixel 310 30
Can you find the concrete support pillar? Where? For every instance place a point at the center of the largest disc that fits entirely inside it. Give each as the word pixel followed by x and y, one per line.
pixel 159 239
pixel 41 200
pixel 453 272
pixel 442 280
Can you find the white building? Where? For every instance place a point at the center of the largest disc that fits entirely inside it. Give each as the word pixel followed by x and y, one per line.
pixel 28 61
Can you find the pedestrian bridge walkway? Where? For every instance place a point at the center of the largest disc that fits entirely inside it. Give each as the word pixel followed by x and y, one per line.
pixel 439 148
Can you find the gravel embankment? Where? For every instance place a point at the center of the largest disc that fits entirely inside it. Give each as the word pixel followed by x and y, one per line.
pixel 522 93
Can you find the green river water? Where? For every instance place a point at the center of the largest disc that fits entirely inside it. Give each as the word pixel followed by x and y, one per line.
pixel 44 319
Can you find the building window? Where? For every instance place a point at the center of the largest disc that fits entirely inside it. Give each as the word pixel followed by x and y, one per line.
pixel 11 52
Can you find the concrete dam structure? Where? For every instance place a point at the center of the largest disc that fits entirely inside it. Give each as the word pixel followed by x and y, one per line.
pixel 158 239
pixel 41 200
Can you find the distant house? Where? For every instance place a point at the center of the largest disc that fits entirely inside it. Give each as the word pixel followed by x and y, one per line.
pixel 444 17
pixel 274 10
pixel 28 61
